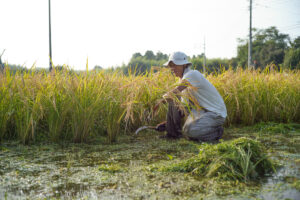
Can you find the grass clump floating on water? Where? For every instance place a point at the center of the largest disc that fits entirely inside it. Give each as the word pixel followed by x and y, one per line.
pixel 241 159
pixel 110 168
pixel 275 128
pixel 296 185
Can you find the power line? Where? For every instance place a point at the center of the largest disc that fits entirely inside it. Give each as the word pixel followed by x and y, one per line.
pixel 260 5
pixel 290 28
pixel 271 5
pixel 276 1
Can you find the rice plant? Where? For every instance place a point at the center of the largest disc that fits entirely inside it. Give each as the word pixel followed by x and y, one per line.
pixel 64 105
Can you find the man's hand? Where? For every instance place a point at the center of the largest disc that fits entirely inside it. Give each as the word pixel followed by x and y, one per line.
pixel 168 96
pixel 161 126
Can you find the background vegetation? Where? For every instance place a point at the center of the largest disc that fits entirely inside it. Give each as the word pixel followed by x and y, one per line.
pixel 269 47
pixel 71 105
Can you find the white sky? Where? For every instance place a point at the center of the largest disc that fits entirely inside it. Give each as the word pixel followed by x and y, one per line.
pixel 108 32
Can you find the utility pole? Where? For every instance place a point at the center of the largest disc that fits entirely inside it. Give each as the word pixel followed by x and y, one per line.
pixel 204 57
pixel 250 39
pixel 50 44
pixel 1 64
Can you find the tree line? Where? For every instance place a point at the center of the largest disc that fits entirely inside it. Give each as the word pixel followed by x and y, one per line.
pixel 269 47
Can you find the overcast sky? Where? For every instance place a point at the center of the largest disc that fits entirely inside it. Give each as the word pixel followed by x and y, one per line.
pixel 108 32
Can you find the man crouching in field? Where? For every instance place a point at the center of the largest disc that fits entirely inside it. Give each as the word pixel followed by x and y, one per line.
pixel 203 124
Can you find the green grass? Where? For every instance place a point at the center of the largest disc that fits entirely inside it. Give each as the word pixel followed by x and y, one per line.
pixel 296 185
pixel 275 128
pixel 241 159
pixel 110 168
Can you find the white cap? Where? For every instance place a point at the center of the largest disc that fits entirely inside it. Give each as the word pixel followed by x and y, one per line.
pixel 178 58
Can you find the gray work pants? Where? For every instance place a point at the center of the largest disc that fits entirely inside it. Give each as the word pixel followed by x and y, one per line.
pixel 200 125
pixel 203 125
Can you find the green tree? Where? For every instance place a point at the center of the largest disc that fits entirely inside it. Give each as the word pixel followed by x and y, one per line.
pixel 296 43
pixel 268 46
pixel 149 55
pixel 161 56
pixel 142 63
pixel 292 55
pixel 212 65
pixel 136 55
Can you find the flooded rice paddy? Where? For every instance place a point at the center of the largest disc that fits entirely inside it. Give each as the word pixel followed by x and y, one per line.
pixel 125 170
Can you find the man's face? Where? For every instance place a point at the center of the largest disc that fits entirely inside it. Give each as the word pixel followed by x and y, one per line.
pixel 176 69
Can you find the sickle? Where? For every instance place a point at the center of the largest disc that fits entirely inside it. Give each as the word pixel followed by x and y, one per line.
pixel 144 127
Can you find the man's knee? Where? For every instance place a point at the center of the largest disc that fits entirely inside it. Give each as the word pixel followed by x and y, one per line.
pixel 206 134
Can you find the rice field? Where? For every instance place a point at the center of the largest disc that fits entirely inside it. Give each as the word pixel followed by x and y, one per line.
pixel 80 127
pixel 66 106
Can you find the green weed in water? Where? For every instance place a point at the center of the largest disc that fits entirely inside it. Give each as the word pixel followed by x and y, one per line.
pixel 110 168
pixel 240 159
pixel 275 128
pixel 296 185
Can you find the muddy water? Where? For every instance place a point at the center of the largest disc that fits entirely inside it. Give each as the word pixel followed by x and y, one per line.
pixel 125 170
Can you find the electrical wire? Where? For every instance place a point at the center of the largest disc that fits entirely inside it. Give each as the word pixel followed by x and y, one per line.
pixel 271 6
